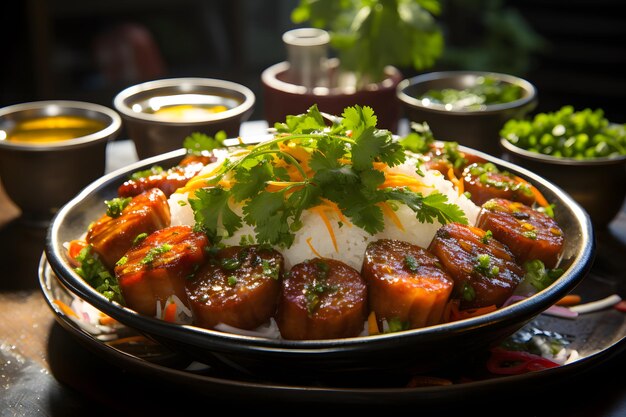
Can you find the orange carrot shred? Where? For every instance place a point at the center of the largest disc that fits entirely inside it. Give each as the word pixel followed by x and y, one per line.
pixel 67 310
pixel 107 320
pixel 569 300
pixel 389 212
pixel 456 181
pixel 308 241
pixel 320 211
pixel 372 324
pixel 457 314
pixel 170 313
pixel 541 200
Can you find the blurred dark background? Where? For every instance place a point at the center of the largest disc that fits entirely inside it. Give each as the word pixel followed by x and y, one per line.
pixel 572 50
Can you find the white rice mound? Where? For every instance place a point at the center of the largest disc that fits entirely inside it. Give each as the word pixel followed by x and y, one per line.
pixel 351 240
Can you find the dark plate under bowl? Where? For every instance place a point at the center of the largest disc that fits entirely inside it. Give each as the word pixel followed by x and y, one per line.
pixel 414 350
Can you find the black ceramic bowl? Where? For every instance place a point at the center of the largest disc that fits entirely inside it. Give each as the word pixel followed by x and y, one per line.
pixel 420 349
pixel 597 184
pixel 477 129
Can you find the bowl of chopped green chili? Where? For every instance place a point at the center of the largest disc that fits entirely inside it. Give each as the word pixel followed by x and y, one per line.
pixel 468 107
pixel 579 150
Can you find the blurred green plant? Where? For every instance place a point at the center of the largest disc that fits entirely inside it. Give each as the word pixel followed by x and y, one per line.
pixel 369 35
pixel 488 35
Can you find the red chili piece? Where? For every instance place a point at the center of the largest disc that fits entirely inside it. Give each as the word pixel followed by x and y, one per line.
pixel 510 362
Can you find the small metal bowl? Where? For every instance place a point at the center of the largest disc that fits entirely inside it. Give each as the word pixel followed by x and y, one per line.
pixel 154 134
pixel 598 184
pixel 40 177
pixel 477 129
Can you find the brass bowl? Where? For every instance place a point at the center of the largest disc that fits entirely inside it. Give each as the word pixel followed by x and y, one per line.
pixel 154 134
pixel 40 177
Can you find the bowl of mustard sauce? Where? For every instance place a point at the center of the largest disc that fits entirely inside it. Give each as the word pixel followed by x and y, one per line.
pixel 51 150
pixel 159 114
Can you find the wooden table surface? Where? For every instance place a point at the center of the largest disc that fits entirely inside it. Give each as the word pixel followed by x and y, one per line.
pixel 46 371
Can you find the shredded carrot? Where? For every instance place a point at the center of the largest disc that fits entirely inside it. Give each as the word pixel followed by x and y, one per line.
pixel 458 182
pixel 394 179
pixel 380 166
pixel 389 212
pixel 372 324
pixel 457 314
pixel 107 320
pixel 170 313
pixel 539 198
pixel 321 210
pixel 67 310
pixel 569 300
pixel 308 242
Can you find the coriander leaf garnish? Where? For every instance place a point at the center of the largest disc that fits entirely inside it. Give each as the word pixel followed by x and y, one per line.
pixel 306 164
pixel 211 212
pixel 197 142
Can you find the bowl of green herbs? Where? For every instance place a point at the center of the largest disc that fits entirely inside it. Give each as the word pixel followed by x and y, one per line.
pixel 467 107
pixel 581 151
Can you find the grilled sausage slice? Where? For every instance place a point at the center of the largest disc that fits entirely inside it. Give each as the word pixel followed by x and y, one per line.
pixel 484 270
pixel 486 181
pixel 238 286
pixel 322 299
pixel 157 267
pixel 405 283
pixel 167 181
pixel 112 237
pixel 528 233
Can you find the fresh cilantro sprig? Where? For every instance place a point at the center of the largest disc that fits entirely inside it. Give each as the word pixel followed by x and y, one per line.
pixel 198 143
pixel 339 166
pixel 93 271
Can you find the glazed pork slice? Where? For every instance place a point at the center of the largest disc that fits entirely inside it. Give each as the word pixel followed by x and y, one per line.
pixel 528 233
pixel 405 283
pixel 322 299
pixel 238 286
pixel 158 266
pixel 167 181
pixel 485 181
pixel 112 237
pixel 484 270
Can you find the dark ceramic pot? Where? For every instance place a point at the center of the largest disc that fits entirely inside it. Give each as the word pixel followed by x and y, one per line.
pixel 477 129
pixel 598 185
pixel 282 98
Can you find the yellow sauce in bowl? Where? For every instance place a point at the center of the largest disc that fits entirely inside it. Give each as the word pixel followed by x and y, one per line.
pixel 188 112
pixel 53 129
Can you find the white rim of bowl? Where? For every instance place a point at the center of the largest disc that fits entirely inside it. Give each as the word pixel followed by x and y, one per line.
pixel 110 129
pixel 490 108
pixel 119 101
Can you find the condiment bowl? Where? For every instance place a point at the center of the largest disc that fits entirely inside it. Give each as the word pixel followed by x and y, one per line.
pixel 424 348
pixel 40 176
pixel 478 129
pixel 191 105
pixel 597 184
